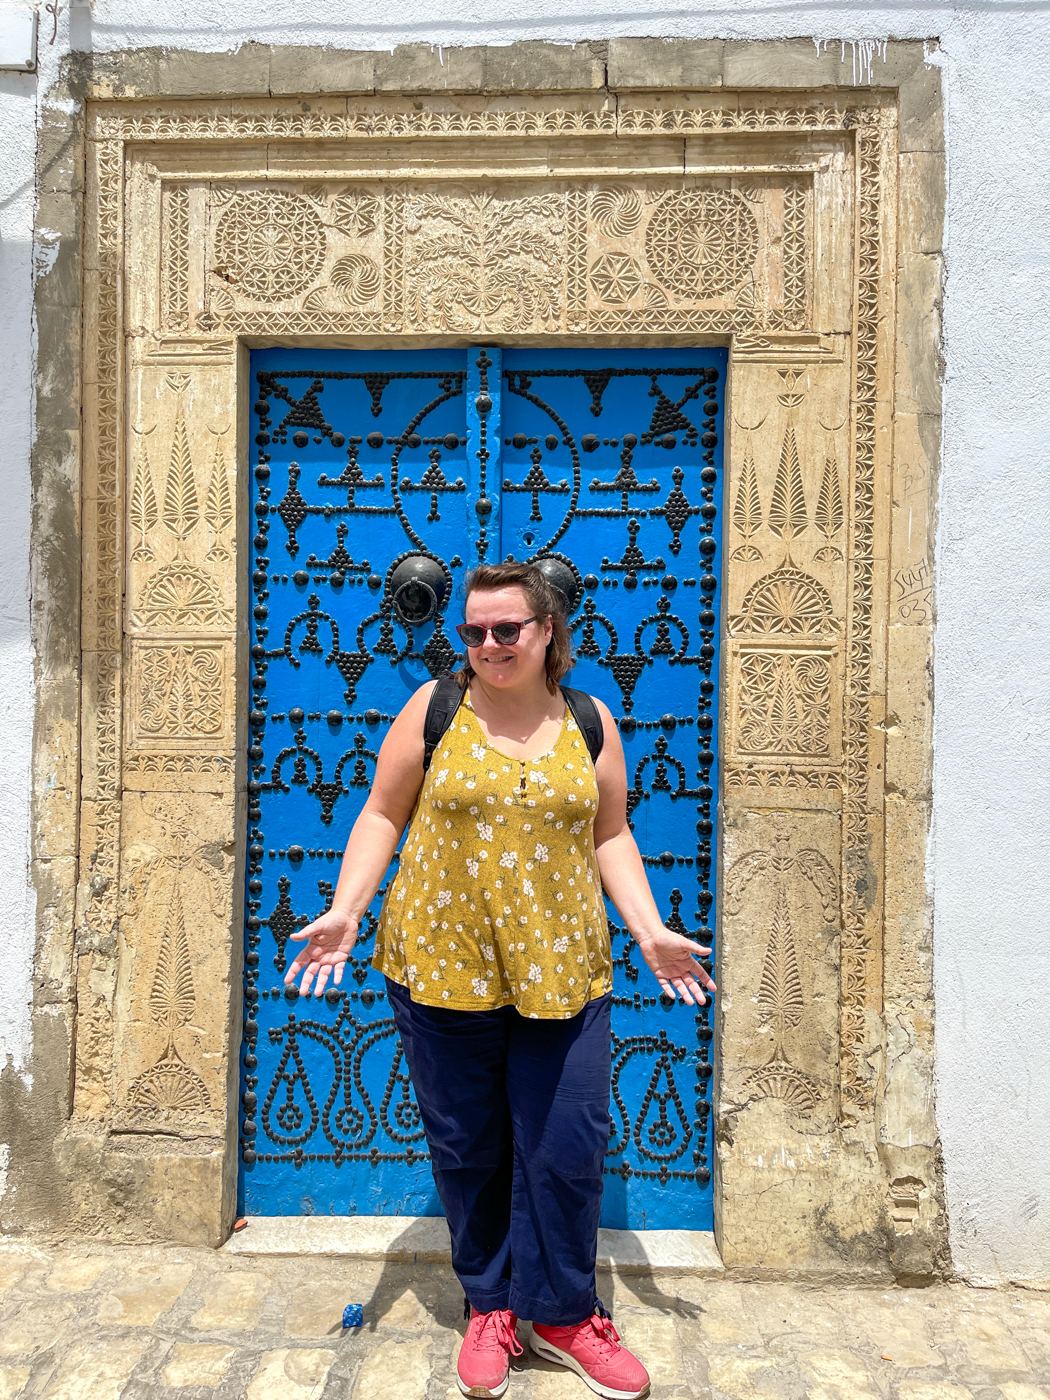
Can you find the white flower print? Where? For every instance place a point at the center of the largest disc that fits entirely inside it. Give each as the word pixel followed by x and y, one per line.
pixel 535 972
pixel 509 859
pixel 480 986
pixel 440 777
pixel 484 831
pixel 444 897
pixel 541 852
pixel 561 945
pixel 526 885
pixel 576 828
pixel 488 952
pixel 479 751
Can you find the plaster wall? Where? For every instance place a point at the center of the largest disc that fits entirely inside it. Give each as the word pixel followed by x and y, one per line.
pixel 986 861
pixel 17 171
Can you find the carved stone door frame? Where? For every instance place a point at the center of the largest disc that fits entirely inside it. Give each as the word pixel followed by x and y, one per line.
pixel 762 218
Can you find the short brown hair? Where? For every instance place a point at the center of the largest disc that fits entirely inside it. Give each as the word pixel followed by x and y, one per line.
pixel 543 601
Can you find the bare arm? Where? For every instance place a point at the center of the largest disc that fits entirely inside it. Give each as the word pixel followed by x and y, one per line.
pixel 671 958
pixel 373 840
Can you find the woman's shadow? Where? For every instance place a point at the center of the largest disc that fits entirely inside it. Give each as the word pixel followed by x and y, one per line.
pixel 416 1281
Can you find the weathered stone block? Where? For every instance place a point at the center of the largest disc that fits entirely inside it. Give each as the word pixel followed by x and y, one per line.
pixel 922 195
pixel 665 63
pixel 308 70
pixel 918 379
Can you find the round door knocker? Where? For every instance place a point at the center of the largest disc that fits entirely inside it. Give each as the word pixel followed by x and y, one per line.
pixel 417 589
pixel 563 578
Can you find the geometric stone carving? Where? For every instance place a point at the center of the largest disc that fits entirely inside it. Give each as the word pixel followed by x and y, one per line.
pixel 170 1087
pixel 616 278
pixel 783 703
pixel 356 279
pixel 617 210
pixel 701 244
pixel 270 244
pixel 178 691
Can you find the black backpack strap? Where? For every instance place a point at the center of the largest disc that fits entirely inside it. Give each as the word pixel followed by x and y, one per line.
pixel 585 713
pixel 444 701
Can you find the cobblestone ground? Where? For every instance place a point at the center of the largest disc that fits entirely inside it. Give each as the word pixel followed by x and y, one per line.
pixel 93 1322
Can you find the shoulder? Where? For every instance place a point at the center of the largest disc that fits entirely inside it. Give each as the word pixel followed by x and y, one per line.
pixel 416 704
pixel 408 726
pixel 605 713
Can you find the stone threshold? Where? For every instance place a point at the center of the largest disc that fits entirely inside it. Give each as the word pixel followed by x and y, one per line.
pixel 424 1239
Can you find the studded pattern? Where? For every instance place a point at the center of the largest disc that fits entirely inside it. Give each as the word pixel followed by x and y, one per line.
pixel 373 470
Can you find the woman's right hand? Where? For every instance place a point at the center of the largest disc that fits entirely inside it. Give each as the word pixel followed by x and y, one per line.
pixel 329 942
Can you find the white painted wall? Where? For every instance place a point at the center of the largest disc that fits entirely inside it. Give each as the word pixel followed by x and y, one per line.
pixel 17 158
pixel 990 856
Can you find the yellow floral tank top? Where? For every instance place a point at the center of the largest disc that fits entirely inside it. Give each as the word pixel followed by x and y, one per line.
pixel 497 900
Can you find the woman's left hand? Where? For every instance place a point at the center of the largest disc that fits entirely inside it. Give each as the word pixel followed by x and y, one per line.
pixel 672 960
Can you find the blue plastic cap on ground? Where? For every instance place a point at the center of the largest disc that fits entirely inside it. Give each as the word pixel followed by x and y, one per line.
pixel 353 1315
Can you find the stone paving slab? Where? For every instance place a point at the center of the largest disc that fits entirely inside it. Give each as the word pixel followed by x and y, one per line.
pixel 104 1322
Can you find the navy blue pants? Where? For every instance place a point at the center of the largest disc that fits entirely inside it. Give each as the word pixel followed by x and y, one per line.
pixel 516 1114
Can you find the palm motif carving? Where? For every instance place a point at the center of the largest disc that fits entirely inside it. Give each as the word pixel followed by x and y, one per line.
pixel 181 511
pixel 829 516
pixel 787 508
pixel 480 261
pixel 172 996
pixel 218 507
pixel 780 993
pixel 747 512
pixel 780 988
pixel 142 507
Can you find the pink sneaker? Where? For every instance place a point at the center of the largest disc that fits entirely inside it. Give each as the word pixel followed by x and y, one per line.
pixel 483 1368
pixel 592 1349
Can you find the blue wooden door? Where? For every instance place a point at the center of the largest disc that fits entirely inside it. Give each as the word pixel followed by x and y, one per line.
pixel 379 478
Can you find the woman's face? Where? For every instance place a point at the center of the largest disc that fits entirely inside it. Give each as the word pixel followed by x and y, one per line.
pixel 498 665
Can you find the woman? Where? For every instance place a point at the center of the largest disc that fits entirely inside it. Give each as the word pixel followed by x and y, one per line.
pixel 495 947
